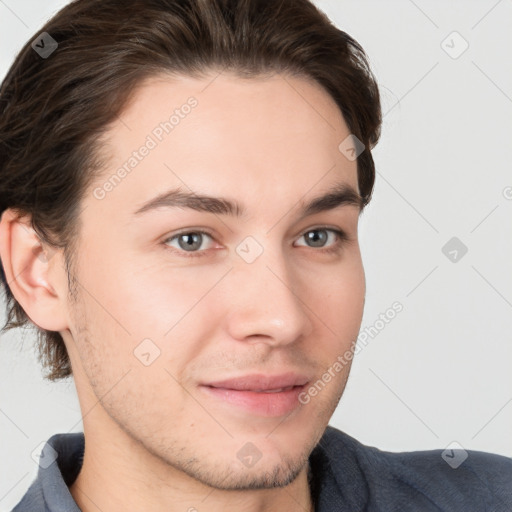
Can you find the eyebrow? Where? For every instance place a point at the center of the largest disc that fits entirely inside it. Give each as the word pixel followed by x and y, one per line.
pixel 341 194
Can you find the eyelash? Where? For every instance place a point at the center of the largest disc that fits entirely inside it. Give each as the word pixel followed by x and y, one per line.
pixel 335 248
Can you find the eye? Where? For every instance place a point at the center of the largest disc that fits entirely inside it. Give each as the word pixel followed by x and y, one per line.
pixel 318 238
pixel 188 241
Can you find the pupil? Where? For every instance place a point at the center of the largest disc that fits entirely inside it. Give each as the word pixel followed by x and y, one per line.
pixel 193 241
pixel 313 237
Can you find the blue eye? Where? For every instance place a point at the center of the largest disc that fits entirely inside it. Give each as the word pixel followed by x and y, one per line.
pixel 320 236
pixel 190 242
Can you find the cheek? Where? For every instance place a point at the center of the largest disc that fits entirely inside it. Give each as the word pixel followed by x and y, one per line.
pixel 337 297
pixel 134 374
pixel 337 301
pixel 176 308
pixel 130 325
pixel 150 300
pixel 349 294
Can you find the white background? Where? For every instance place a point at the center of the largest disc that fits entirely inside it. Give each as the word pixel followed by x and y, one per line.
pixel 440 370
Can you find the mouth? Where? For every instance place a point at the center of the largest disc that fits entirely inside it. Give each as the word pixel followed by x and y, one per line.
pixel 260 395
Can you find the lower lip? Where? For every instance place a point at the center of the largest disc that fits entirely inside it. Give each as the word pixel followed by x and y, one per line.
pixel 261 404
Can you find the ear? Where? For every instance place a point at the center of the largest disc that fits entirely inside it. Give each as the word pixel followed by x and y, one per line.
pixel 34 272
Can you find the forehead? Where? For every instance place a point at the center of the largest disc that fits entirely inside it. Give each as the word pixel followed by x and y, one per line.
pixel 275 137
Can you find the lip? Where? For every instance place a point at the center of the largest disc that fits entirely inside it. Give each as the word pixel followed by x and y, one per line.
pixel 262 395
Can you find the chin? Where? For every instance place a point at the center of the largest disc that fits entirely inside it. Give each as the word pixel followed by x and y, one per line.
pixel 278 476
pixel 258 477
pixel 262 464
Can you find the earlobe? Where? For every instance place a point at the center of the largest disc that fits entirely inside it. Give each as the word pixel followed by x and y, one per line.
pixel 27 266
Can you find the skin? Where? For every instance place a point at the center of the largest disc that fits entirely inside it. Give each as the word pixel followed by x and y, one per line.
pixel 154 440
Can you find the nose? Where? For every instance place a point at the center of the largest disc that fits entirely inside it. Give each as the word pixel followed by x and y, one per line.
pixel 267 305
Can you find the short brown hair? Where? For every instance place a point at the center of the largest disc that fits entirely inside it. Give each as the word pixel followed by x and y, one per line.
pixel 53 110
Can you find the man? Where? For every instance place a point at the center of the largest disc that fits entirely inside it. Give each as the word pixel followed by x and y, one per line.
pixel 185 238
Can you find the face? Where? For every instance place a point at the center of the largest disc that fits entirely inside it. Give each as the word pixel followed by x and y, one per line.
pixel 207 329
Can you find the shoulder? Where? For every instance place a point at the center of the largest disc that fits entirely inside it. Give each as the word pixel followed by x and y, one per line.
pixel 435 479
pixel 32 500
pixel 59 464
